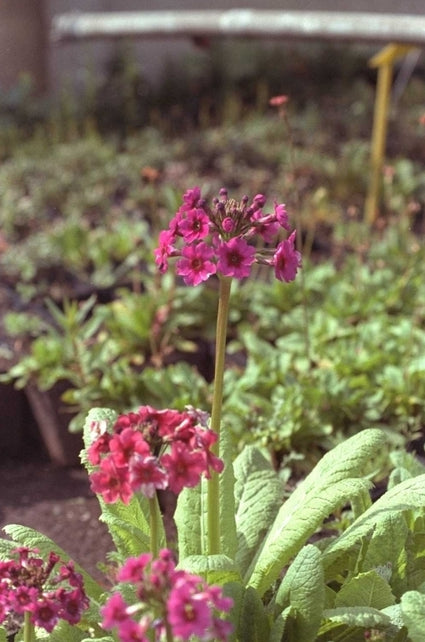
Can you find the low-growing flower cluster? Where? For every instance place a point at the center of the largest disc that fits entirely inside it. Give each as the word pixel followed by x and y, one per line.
pixel 149 450
pixel 46 591
pixel 219 239
pixel 167 602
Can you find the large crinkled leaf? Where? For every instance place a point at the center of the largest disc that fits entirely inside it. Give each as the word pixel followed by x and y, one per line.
pixel 228 537
pixel 387 546
pixel 410 494
pixel 215 569
pixel 331 484
pixel 365 589
pixel 190 518
pixel 258 495
pixel 253 624
pixel 2 635
pixel 361 616
pixel 303 590
pixel 294 525
pixel 413 613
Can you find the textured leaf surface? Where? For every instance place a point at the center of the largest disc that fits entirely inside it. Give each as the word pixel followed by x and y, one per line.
pixel 303 590
pixel 361 616
pixel 294 525
pixel 330 485
pixel 388 546
pixel 215 569
pixel 413 612
pixel 258 495
pixel 190 517
pixel 410 494
pixel 228 538
pixel 366 589
pixel 191 513
pixel 253 624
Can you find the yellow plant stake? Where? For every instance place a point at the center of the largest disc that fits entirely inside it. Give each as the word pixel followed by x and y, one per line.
pixel 384 61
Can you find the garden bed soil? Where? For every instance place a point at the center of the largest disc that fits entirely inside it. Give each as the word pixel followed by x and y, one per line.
pixel 58 502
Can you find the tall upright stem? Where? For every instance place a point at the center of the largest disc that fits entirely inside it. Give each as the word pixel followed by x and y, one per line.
pixel 220 355
pixel 154 518
pixel 28 628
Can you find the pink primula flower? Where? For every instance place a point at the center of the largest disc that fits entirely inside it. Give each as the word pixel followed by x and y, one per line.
pixel 125 444
pixel 286 259
pixel 164 250
pixel 191 198
pixel 111 482
pixel 282 216
pixel 196 265
pixel 188 613
pixel 184 467
pixel 235 258
pixel 146 476
pixel 195 226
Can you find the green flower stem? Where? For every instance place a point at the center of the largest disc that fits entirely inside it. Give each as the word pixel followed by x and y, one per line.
pixel 154 518
pixel 28 628
pixel 220 355
pixel 168 632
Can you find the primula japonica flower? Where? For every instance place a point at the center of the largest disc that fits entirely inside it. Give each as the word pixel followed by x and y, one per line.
pixel 151 450
pixel 50 591
pixel 165 600
pixel 221 239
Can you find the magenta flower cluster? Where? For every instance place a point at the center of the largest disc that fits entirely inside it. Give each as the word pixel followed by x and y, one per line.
pixel 165 602
pixel 45 590
pixel 151 449
pixel 220 239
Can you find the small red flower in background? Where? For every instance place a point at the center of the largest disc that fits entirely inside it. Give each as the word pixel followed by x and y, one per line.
pixel 278 101
pixel 221 238
pixel 165 598
pixel 151 450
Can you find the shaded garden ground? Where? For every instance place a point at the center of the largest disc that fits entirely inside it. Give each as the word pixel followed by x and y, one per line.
pixel 59 503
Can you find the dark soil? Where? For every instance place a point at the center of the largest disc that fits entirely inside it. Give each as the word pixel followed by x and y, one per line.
pixel 59 503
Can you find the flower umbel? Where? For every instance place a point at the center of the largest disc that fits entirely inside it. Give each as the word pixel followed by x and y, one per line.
pixel 149 450
pixel 221 238
pixel 47 592
pixel 165 600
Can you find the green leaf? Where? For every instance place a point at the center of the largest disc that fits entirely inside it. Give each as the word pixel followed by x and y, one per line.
pixel 128 525
pixel 62 631
pixel 190 518
pixel 258 495
pixel 410 494
pixel 226 480
pixel 215 569
pixel 3 637
pixel 96 415
pixel 361 616
pixel 413 610
pixel 365 589
pixel 253 624
pixel 278 626
pixel 330 485
pixel 387 546
pixel 303 590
